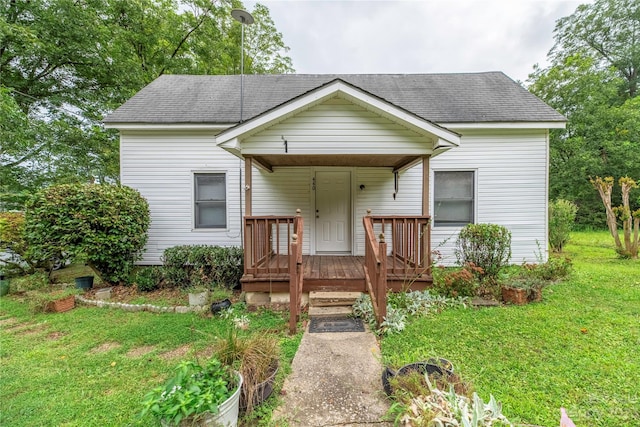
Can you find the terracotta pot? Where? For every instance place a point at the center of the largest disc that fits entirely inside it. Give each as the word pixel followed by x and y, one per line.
pixel 62 305
pixel 517 296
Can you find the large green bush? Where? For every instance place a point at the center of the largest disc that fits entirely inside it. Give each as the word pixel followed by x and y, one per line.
pixel 203 265
pixel 102 225
pixel 562 215
pixel 487 246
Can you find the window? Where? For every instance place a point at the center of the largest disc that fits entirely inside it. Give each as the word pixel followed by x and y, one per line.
pixel 453 198
pixel 210 200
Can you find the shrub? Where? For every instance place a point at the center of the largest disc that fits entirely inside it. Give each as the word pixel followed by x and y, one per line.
pixel 148 279
pixel 203 265
pixel 460 283
pixel 562 215
pixel 103 225
pixel 487 246
pixel 12 240
pixel 554 269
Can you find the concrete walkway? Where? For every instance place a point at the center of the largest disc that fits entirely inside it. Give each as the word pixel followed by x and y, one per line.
pixel 336 381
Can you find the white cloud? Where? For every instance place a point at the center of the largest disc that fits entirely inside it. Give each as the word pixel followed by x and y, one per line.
pixel 436 36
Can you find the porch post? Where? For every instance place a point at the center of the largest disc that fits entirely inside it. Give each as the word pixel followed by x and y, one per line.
pixel 425 186
pixel 248 171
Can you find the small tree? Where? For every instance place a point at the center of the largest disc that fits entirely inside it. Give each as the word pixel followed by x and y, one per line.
pixel 562 215
pixel 104 225
pixel 487 246
pixel 630 220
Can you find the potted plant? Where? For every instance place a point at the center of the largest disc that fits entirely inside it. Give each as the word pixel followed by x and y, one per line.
pixel 521 290
pixel 4 284
pixel 56 301
pixel 196 395
pixel 198 295
pixel 256 358
pixel 85 282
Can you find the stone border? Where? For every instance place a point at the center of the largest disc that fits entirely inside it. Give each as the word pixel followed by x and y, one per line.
pixel 143 307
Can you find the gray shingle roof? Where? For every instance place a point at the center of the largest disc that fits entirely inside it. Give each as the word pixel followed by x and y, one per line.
pixel 440 98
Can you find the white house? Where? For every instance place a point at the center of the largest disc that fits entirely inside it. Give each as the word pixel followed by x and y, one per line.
pixel 425 153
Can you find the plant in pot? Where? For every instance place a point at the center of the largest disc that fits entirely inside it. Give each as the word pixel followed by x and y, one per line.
pixel 521 290
pixel 198 295
pixel 256 357
pixel 52 300
pixel 196 395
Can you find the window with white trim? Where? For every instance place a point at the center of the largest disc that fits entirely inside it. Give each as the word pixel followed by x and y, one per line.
pixel 453 198
pixel 210 200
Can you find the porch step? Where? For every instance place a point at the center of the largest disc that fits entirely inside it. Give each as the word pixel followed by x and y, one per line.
pixel 332 299
pixel 330 311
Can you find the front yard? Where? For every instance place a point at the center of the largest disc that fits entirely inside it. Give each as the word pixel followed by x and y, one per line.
pixel 578 349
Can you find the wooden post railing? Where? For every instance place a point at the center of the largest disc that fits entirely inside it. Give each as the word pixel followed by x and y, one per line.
pixel 295 272
pixel 410 244
pixel 266 244
pixel 375 269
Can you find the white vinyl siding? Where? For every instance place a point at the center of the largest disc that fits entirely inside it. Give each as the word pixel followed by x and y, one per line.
pixel 510 169
pixel 161 165
pixel 337 126
pixel 511 180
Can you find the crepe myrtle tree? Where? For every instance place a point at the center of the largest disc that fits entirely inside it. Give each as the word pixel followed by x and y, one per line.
pixel 102 225
pixel 630 219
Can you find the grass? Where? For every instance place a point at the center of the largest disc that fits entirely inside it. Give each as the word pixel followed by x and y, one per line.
pixel 92 366
pixel 576 349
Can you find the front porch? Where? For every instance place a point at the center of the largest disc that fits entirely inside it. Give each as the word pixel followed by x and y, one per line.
pixel 273 260
pixel 331 273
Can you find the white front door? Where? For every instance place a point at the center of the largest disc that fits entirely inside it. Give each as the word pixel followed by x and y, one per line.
pixel 333 212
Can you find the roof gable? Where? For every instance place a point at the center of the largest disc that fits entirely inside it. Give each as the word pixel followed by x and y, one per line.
pixel 338 88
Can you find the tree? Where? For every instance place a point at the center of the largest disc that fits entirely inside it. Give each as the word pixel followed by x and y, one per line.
pixel 607 30
pixel 64 64
pixel 602 136
pixel 630 219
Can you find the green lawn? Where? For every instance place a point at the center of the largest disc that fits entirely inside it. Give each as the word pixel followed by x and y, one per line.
pixel 578 349
pixel 92 366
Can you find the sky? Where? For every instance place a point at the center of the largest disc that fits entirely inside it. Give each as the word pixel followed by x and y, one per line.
pixel 431 36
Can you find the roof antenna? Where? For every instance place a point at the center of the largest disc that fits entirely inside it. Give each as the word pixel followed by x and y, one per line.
pixel 244 18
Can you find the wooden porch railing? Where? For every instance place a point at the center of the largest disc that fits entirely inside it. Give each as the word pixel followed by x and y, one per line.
pixel 410 244
pixel 266 244
pixel 273 245
pixel 375 269
pixel 296 276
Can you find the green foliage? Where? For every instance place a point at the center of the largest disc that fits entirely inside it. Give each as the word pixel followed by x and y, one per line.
pixel 538 357
pixel 592 80
pixel 203 265
pixel 447 408
pixel 562 215
pixel 485 246
pixel 148 279
pixel 457 283
pixel 556 268
pixel 104 225
pixel 16 261
pixel 404 305
pixel 65 64
pixel 192 391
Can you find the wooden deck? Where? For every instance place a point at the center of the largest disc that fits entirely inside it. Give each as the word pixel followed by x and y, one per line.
pixel 329 273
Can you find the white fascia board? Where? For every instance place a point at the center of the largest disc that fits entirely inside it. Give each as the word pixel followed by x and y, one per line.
pixel 323 93
pixel 505 125
pixel 167 126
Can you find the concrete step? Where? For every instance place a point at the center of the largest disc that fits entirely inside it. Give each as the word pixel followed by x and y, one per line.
pixel 332 299
pixel 330 311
